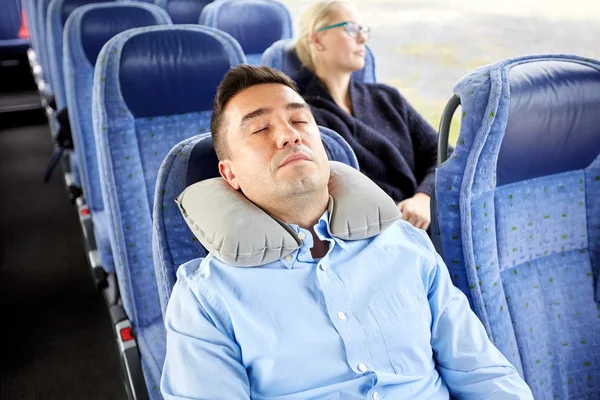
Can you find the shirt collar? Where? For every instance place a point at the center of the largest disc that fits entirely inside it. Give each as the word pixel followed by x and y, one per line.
pixel 321 229
pixel 324 233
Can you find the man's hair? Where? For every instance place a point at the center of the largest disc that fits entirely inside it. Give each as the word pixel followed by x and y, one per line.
pixel 236 80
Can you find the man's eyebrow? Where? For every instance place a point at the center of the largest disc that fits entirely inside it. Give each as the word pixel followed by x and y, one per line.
pixel 297 106
pixel 254 114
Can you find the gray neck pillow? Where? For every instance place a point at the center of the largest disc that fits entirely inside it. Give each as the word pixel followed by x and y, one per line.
pixel 239 233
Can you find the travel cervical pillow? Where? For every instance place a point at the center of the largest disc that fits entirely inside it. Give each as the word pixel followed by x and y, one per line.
pixel 239 233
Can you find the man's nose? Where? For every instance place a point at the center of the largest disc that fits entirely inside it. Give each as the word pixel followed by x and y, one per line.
pixel 286 135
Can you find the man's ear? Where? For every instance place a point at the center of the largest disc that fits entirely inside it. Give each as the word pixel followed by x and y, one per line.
pixel 228 174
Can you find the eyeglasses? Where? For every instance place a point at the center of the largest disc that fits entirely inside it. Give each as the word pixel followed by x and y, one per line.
pixel 351 28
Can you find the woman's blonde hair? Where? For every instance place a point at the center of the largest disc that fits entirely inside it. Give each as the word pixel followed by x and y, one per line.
pixel 316 16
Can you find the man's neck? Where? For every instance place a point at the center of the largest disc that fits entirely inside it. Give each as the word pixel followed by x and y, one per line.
pixel 338 86
pixel 303 211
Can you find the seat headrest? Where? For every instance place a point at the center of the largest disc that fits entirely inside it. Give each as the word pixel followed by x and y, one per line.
pixel 98 23
pixel 282 55
pixel 172 66
pixel 218 216
pixel 184 11
pixel 264 22
pixel 203 161
pixel 68 6
pixel 554 115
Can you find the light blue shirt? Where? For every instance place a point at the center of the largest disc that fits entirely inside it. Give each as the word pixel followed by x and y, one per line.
pixel 376 319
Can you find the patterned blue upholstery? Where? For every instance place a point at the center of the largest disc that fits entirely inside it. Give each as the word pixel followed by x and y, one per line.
pixel 264 23
pixel 183 11
pixel 191 161
pixel 36 39
pixel 153 87
pixel 87 29
pixel 30 9
pixel 519 213
pixel 282 55
pixel 41 14
pixel 58 12
pixel 10 23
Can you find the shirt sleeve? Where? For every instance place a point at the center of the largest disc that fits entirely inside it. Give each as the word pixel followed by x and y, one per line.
pixel 471 366
pixel 202 361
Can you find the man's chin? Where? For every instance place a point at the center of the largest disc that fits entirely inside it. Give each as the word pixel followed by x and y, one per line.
pixel 298 182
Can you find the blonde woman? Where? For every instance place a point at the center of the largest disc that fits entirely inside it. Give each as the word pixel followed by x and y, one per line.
pixel 394 145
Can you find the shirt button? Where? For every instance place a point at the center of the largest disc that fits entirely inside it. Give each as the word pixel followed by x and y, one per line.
pixel 302 236
pixel 323 267
pixel 362 367
pixel 376 396
pixel 288 257
pixel 341 316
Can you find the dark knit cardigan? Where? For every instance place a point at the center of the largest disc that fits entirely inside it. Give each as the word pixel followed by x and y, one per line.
pixel 394 145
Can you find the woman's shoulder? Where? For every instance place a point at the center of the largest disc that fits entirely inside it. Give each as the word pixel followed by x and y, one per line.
pixel 376 88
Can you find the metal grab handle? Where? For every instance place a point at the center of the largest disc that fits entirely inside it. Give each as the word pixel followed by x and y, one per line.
pixel 444 134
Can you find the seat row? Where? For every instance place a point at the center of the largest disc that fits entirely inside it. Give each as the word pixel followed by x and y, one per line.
pixel 110 52
pixel 517 203
pixel 266 22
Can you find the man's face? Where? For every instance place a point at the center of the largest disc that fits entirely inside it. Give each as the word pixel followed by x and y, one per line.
pixel 274 146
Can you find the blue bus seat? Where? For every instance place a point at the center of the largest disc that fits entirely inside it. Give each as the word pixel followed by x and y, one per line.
pixel 282 55
pixel 183 11
pixel 264 22
pixel 191 161
pixel 86 31
pixel 58 12
pixel 41 14
pixel 30 11
pixel 153 87
pixel 518 205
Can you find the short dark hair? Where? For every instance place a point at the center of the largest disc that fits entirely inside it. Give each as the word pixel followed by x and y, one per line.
pixel 240 78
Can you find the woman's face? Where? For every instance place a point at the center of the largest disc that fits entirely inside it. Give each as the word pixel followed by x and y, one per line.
pixel 341 49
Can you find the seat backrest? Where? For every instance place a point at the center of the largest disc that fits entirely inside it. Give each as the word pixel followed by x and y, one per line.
pixel 264 23
pixel 153 87
pixel 282 55
pixel 10 19
pixel 519 212
pixel 87 30
pixel 41 14
pixel 58 12
pixel 30 7
pixel 191 161
pixel 183 11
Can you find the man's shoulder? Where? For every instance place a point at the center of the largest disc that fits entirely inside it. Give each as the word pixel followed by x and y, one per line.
pixel 191 268
pixel 407 237
pixel 196 277
pixel 196 272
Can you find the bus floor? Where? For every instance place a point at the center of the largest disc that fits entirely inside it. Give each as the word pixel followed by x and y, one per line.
pixel 55 340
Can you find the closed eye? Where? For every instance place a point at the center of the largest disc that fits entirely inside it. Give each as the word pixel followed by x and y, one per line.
pixel 260 130
pixel 299 122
